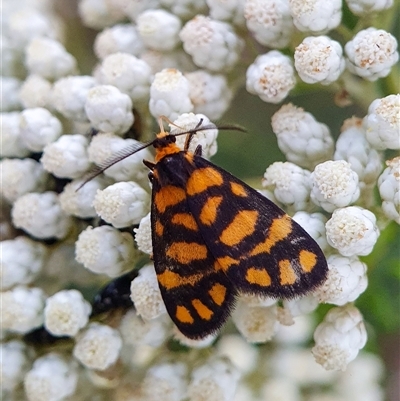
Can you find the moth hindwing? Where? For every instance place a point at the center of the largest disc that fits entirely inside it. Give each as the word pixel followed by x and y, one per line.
pixel 214 237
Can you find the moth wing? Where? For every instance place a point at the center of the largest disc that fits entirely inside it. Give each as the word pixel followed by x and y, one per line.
pixel 255 243
pixel 197 297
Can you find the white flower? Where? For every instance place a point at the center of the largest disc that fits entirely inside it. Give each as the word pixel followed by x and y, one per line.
pixel 334 184
pixel 21 260
pixel 314 224
pixel 108 109
pixel 316 16
pixel 36 92
pixel 269 21
pixel 66 157
pixel 98 346
pixel 98 14
pixel 298 332
pixel 319 59
pixel 366 7
pixel 41 215
pixel 353 147
pixel 22 309
pixel 129 74
pixel 146 295
pixel 212 44
pixel 291 184
pixel 78 201
pixel 382 123
pixel 38 128
pixel 11 143
pixel 257 324
pixel 371 54
pixel 352 231
pixel 389 189
pixel 207 139
pixel 105 147
pixel 13 363
pixel 204 342
pixel 302 139
pixel 169 94
pixel 176 59
pixel 229 11
pixel 66 312
pixel 243 355
pixel 122 204
pixel 69 96
pixel 209 94
pixel 20 176
pixel 159 29
pixel 105 250
pixel 339 337
pixel 143 235
pixel 49 59
pixel 216 380
pixel 280 389
pixel 118 38
pixel 138 332
pixel 51 379
pixel 347 279
pixel 298 307
pixel 25 23
pixel 165 382
pixel 271 77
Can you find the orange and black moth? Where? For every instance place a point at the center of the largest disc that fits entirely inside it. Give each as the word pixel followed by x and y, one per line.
pixel 214 237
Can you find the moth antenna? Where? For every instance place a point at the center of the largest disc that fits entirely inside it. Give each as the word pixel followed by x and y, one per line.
pixel 117 157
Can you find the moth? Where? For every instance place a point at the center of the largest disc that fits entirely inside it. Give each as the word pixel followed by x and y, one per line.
pixel 215 237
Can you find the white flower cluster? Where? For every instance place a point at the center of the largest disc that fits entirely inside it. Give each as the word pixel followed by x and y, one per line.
pixel 62 236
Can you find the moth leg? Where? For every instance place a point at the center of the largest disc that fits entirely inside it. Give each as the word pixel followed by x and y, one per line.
pixel 149 164
pixel 198 151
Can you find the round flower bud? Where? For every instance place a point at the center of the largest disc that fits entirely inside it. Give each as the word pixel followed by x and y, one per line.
pixel 382 123
pixel 185 9
pixel 143 235
pixel 347 279
pixel 230 11
pixel 216 380
pixel 334 184
pixel 159 29
pixel 36 91
pixel 207 139
pixel 165 382
pixel 352 231
pixel 302 139
pixel 129 74
pixel 122 204
pixel 122 38
pixel 169 94
pixel 105 250
pixel 212 44
pixel 319 59
pixel 291 184
pixel 66 312
pixel 13 363
pixel 69 96
pixel 98 346
pixel 146 295
pixel 371 54
pixel 9 96
pixel 48 58
pixel 368 7
pixel 39 128
pixel 339 337
pixel 11 143
pixel 316 16
pixel 66 157
pixel 269 21
pixel 257 324
pixel 21 260
pixel 98 14
pixel 51 378
pixel 314 224
pixel 271 77
pixel 389 189
pixel 22 309
pixel 109 110
pixel 20 176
